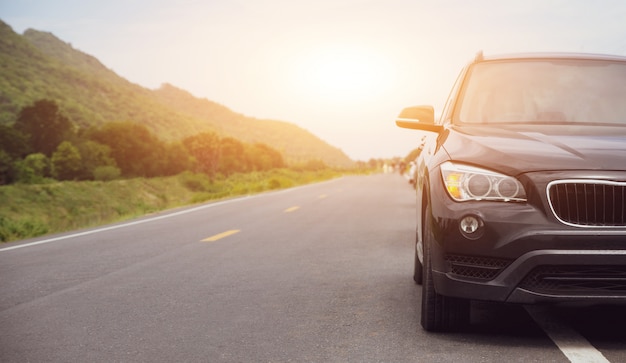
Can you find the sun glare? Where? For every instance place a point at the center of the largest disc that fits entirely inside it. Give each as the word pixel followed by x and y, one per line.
pixel 344 74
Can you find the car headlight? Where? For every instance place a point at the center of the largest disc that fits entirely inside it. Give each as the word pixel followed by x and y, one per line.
pixel 464 182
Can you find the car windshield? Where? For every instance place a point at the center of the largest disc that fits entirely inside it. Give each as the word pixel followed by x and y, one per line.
pixel 544 91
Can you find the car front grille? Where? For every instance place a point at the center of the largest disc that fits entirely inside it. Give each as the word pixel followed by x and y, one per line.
pixel 483 268
pixel 588 203
pixel 577 280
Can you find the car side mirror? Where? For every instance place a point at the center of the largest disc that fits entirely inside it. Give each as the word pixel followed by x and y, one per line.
pixel 418 118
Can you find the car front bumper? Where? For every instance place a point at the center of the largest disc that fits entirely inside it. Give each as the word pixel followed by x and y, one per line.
pixel 523 255
pixel 551 276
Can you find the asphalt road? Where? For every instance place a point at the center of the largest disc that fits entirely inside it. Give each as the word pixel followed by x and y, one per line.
pixel 321 273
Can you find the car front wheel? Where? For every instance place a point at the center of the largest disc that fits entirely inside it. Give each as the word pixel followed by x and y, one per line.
pixel 439 313
pixel 417 270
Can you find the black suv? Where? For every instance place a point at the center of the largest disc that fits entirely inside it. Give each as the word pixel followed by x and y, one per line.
pixel 521 186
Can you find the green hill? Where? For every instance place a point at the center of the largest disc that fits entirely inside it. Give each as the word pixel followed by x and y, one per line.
pixel 38 65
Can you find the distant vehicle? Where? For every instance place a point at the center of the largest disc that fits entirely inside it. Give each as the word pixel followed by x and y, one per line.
pixel 521 186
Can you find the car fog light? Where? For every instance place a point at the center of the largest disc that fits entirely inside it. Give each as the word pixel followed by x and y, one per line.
pixel 471 226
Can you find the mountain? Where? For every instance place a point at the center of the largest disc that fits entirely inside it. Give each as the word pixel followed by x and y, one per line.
pixel 38 65
pixel 288 138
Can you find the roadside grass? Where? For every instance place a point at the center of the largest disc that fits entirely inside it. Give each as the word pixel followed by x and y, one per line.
pixel 31 210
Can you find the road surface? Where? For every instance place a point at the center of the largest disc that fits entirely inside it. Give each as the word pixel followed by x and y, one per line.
pixel 321 273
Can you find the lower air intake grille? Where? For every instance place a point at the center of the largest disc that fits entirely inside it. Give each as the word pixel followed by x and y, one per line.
pixel 483 268
pixel 577 280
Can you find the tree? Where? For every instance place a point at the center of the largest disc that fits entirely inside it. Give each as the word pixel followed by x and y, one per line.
pixel 44 126
pixel 6 168
pixel 176 159
pixel 134 147
pixel 205 148
pixel 66 162
pixel 13 142
pixel 93 156
pixel 233 158
pixel 33 169
pixel 264 157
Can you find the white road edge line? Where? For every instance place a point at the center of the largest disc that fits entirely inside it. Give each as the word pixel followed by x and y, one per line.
pixel 575 347
pixel 151 219
pixel 117 226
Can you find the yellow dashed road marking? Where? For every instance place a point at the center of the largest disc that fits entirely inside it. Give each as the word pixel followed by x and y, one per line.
pixel 220 235
pixel 291 209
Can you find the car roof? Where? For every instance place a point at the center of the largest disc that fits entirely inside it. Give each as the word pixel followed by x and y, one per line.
pixel 546 55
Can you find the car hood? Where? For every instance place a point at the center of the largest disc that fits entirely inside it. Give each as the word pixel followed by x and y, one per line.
pixel 515 149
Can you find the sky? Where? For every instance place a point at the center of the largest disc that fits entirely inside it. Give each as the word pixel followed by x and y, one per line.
pixel 341 69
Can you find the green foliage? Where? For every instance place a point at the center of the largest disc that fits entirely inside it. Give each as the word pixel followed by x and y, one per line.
pixel 310 165
pixel 33 169
pixel 196 182
pixel 205 149
pixel 106 173
pixel 135 149
pixel 7 168
pixel 274 184
pixel 130 150
pixel 33 210
pixel 66 162
pixel 263 157
pixel 13 142
pixel 21 228
pixel 232 158
pixel 44 126
pixel 95 156
pixel 176 159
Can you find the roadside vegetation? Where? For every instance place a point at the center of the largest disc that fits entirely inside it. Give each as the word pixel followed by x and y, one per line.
pixel 44 144
pixel 55 177
pixel 31 210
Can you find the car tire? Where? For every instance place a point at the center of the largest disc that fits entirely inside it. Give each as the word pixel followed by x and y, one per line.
pixel 418 269
pixel 439 313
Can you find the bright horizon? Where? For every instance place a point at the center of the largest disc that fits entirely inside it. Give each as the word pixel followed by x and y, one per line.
pixel 341 69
